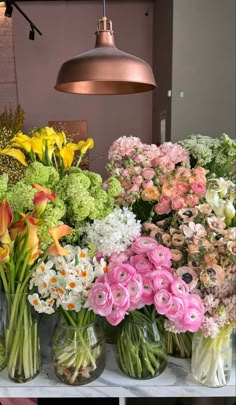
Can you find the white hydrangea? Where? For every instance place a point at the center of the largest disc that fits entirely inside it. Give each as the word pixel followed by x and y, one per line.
pixel 115 232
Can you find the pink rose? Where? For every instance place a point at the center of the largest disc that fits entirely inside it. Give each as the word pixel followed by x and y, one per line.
pixel 101 299
pixel 147 184
pixel 161 279
pixel 199 172
pixel 137 180
pixel 122 273
pixel 179 288
pixel 160 256
pixel 163 301
pixel 141 263
pixel 133 187
pixel 181 188
pixel 148 174
pixel 191 200
pixel 120 296
pixel 116 316
pixel 198 188
pixel 178 203
pixel 164 206
pixel 143 243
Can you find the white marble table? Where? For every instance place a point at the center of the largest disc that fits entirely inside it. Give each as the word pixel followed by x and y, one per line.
pixel 176 381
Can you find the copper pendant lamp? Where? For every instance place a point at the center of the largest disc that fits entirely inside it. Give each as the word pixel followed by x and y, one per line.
pixel 105 69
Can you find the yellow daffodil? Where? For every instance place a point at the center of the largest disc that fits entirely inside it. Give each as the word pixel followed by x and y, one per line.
pixel 22 141
pixel 16 153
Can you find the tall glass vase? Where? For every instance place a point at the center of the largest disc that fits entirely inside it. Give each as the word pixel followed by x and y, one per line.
pixel 141 348
pixel 3 357
pixel 22 339
pixel 78 353
pixel 212 358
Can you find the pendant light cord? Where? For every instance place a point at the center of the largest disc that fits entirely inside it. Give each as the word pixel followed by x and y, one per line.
pixel 104 8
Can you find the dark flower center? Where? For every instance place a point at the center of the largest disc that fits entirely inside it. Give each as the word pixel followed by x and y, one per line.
pixel 187 278
pixel 211 272
pixel 188 213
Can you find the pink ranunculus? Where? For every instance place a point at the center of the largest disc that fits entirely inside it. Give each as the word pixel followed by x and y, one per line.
pixel 163 301
pixel 192 319
pixel 164 206
pixel 177 309
pixel 198 188
pixel 116 316
pixel 101 298
pixel 161 279
pixel 160 256
pixel 117 258
pixel 141 263
pixel 122 273
pixel 179 288
pixel 178 203
pixel 121 296
pixel 148 173
pixel 142 244
pixel 147 184
pixel 147 296
pixel 135 289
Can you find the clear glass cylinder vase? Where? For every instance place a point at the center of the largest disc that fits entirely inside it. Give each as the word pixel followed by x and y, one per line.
pixel 78 353
pixel 141 349
pixel 3 356
pixel 212 358
pixel 22 339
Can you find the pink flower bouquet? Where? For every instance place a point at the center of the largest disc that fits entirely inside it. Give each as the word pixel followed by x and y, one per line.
pixel 141 284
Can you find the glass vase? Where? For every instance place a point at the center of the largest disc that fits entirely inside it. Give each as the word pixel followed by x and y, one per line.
pixel 179 344
pixel 22 339
pixel 3 356
pixel 111 332
pixel 78 353
pixel 141 348
pixel 212 358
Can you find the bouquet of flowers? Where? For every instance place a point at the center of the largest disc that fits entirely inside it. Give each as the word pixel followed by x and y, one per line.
pixel 154 180
pixel 140 282
pixel 62 283
pixel 19 252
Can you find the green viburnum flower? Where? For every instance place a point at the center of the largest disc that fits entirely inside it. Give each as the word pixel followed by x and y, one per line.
pixel 46 176
pixel 114 187
pixel 3 186
pixel 20 197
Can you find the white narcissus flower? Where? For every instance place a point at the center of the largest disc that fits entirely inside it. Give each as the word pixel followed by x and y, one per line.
pixel 224 186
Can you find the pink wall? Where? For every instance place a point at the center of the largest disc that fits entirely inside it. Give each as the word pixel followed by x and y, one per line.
pixel 68 29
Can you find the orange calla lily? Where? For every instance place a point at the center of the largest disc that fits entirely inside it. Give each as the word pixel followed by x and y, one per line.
pixel 33 241
pixel 5 216
pixel 56 233
pixel 4 253
pixel 41 198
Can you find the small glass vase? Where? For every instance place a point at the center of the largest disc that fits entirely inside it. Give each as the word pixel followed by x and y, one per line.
pixel 3 356
pixel 111 332
pixel 22 339
pixel 78 353
pixel 179 344
pixel 141 348
pixel 212 358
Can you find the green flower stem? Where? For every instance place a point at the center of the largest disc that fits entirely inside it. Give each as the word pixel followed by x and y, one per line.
pixel 74 357
pixel 141 348
pixel 179 344
pixel 4 279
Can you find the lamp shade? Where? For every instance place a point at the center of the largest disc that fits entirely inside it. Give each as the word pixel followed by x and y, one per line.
pixel 105 69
